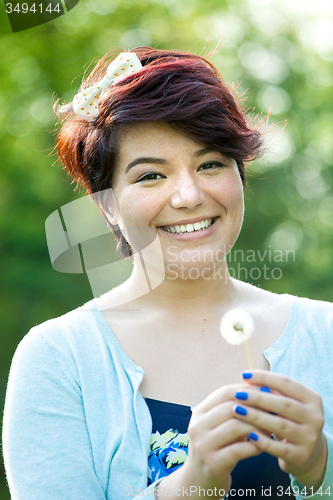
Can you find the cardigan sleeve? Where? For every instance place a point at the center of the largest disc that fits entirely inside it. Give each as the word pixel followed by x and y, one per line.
pixel 46 446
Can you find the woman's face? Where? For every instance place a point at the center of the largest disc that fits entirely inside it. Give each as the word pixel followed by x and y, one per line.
pixel 192 196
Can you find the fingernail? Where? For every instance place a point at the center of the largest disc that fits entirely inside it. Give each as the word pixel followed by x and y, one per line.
pixel 265 389
pixel 247 375
pixel 240 410
pixel 253 436
pixel 241 395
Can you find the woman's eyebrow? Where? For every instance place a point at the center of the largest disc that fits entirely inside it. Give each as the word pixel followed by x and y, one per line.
pixel 149 159
pixel 160 161
pixel 204 151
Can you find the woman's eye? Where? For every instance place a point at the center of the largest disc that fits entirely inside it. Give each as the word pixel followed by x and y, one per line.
pixel 151 176
pixel 209 165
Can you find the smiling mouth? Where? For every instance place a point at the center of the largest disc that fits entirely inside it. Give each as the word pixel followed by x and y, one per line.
pixel 190 228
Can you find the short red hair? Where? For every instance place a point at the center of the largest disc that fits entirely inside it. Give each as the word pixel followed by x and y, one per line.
pixel 182 89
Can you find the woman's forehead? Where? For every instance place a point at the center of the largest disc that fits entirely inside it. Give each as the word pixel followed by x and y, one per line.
pixel 154 137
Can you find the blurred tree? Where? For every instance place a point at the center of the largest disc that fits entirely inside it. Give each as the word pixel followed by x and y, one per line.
pixel 280 52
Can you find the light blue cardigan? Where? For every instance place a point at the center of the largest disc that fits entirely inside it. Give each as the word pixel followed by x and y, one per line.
pixel 76 426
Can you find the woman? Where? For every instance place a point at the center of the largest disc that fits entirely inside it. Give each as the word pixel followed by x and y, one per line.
pixel 137 388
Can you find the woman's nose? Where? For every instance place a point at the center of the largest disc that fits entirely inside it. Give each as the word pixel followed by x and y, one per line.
pixel 187 193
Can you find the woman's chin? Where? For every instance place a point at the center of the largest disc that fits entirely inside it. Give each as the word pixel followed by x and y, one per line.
pixel 195 271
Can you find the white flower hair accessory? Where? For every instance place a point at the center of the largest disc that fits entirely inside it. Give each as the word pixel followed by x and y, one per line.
pixel 237 327
pixel 85 103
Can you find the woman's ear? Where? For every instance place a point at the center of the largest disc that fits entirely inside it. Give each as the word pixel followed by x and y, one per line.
pixel 106 202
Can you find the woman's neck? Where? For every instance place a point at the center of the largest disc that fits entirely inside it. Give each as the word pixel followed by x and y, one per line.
pixel 208 290
pixel 150 288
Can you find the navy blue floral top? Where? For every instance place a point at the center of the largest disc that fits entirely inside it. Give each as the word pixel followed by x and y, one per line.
pixel 169 447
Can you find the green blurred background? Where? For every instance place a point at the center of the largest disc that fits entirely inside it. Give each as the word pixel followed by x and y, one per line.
pixel 280 52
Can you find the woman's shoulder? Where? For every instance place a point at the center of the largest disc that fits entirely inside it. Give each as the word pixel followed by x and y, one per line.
pixel 313 313
pixel 282 301
pixel 65 332
pixel 73 319
pixel 287 312
pixel 308 311
pixel 307 318
pixel 311 304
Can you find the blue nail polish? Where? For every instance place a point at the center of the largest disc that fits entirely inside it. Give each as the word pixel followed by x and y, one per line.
pixel 265 389
pixel 253 436
pixel 247 375
pixel 240 410
pixel 241 395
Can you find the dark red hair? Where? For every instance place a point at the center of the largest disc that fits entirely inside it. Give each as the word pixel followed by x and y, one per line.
pixel 182 89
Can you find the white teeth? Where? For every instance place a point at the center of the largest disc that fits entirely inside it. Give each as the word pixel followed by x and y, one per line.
pixel 189 228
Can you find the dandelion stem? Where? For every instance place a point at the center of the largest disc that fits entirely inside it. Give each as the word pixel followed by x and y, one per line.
pixel 248 354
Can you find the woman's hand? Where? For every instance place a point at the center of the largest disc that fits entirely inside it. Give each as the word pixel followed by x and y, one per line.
pixel 217 441
pixel 278 405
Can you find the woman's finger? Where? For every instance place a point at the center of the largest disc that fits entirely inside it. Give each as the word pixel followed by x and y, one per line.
pixel 275 403
pixel 231 431
pixel 293 459
pixel 217 415
pixel 272 424
pixel 219 396
pixel 219 426
pixel 277 448
pixel 227 458
pixel 280 383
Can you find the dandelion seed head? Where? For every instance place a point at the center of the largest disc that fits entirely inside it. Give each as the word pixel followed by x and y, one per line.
pixel 236 326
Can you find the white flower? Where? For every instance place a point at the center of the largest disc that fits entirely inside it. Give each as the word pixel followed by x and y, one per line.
pixel 236 326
